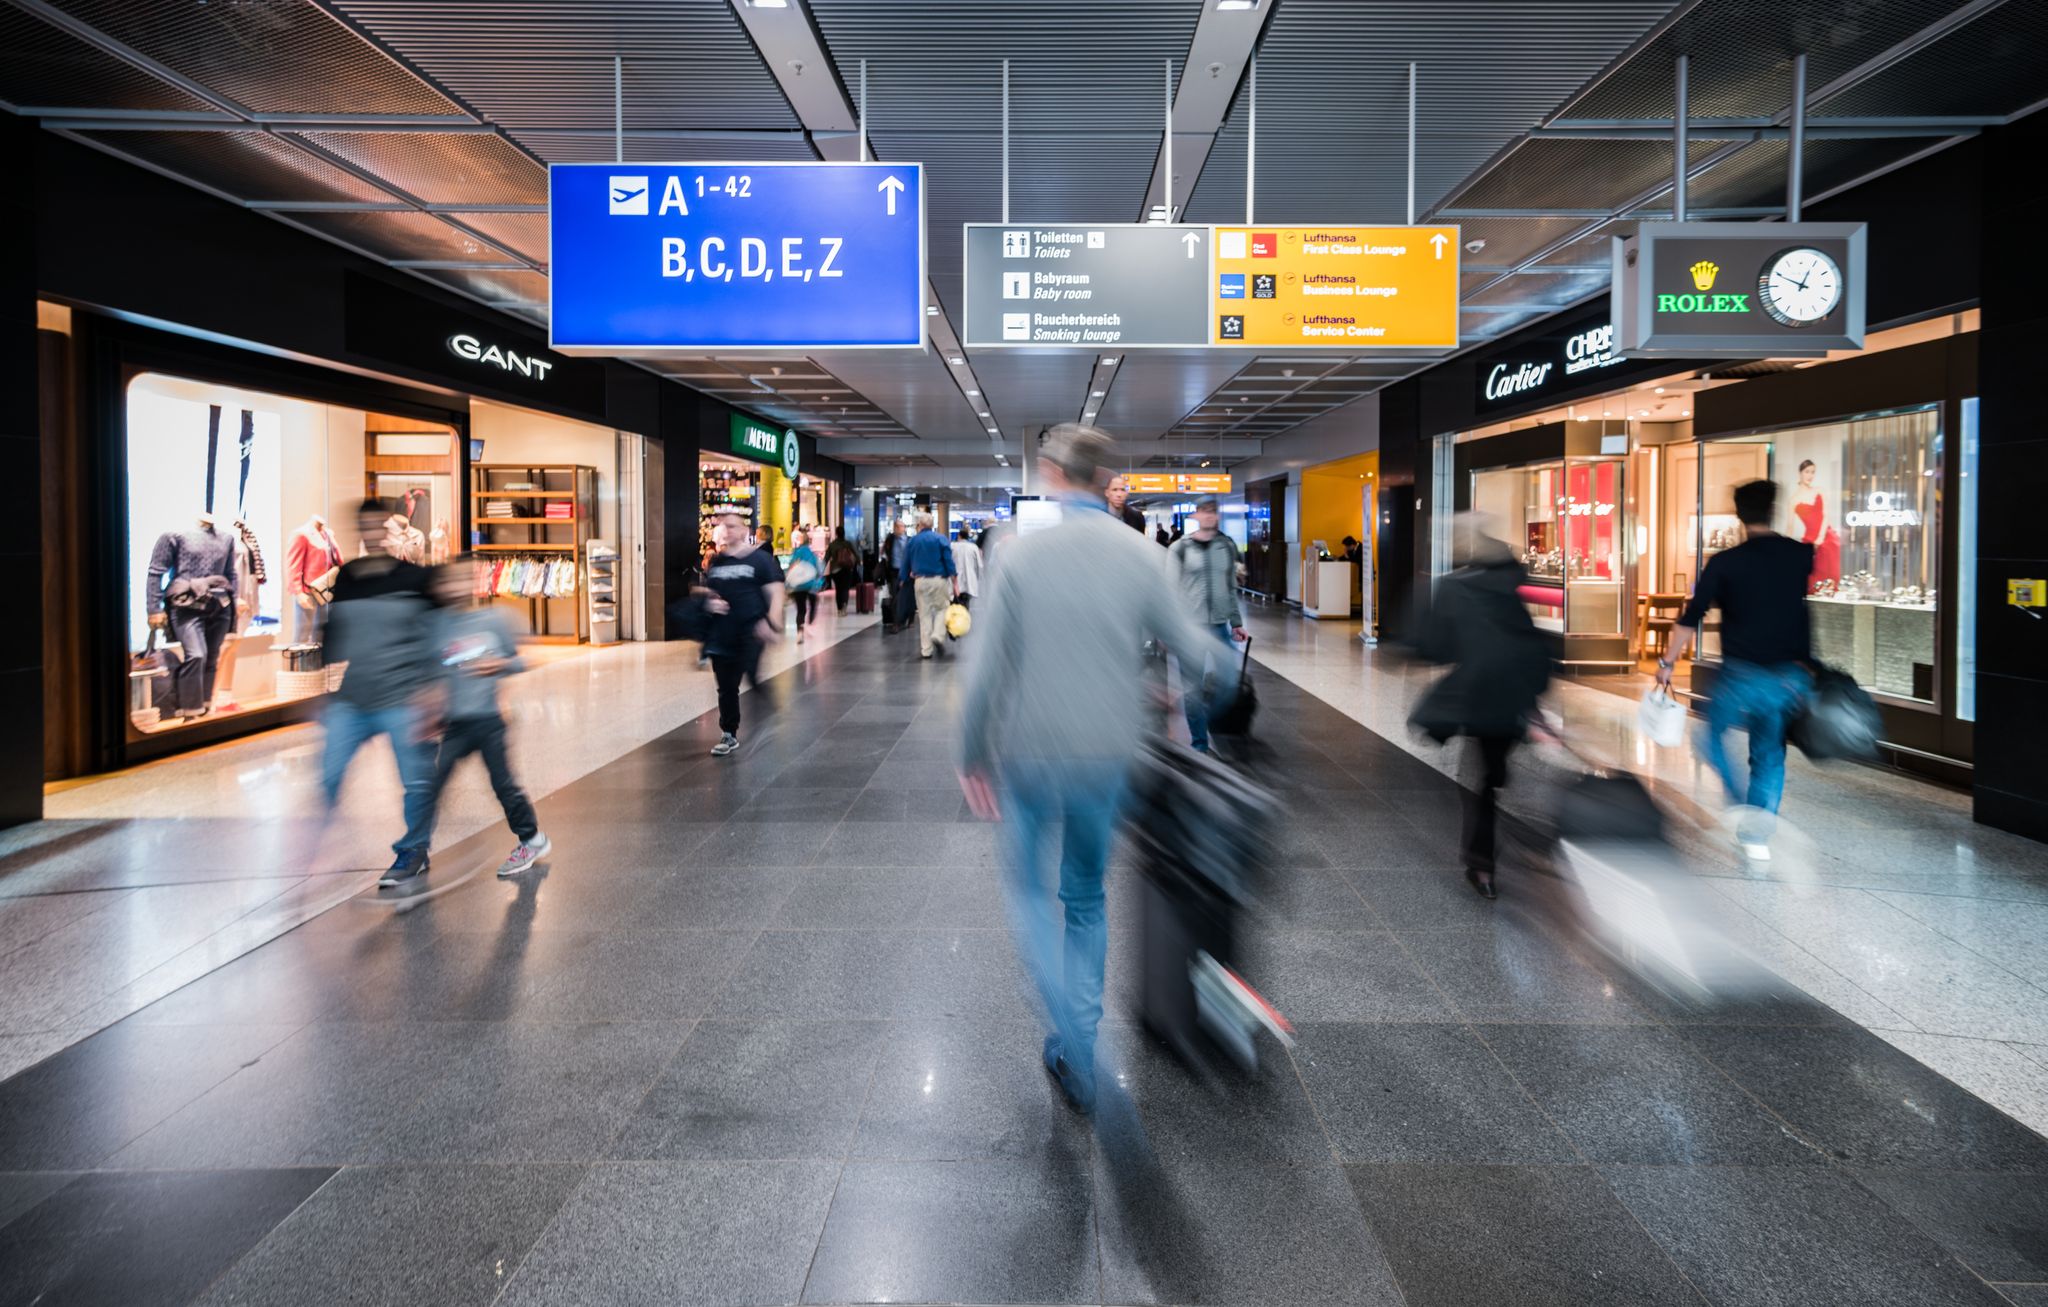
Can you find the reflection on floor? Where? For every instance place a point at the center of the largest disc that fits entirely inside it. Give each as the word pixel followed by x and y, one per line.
pixel 148 879
pixel 755 1035
pixel 1884 899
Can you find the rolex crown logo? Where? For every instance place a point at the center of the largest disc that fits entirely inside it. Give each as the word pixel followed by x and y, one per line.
pixel 1703 274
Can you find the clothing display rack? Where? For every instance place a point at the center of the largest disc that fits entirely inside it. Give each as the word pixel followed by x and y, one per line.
pixel 603 589
pixel 539 514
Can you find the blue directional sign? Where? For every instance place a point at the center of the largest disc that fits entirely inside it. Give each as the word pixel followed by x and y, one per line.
pixel 647 257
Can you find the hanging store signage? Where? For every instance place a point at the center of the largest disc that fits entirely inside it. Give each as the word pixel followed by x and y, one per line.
pixel 1554 362
pixel 1354 288
pixel 1177 483
pixel 1745 290
pixel 1116 285
pixel 468 349
pixel 766 444
pixel 646 258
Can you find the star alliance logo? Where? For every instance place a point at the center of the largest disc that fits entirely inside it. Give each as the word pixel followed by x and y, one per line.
pixel 629 196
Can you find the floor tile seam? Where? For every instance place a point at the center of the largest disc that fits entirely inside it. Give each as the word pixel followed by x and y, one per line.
pixel 627 1118
pixel 1965 945
pixel 310 914
pixel 291 1032
pixel 249 1252
pixel 1816 960
pixel 540 1235
pixel 1809 1140
pixel 852 1140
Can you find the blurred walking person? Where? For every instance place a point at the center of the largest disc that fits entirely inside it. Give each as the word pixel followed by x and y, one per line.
pixel 896 552
pixel 379 625
pixel 1051 721
pixel 744 597
pixel 477 646
pixel 967 562
pixel 1501 665
pixel 805 577
pixel 933 578
pixel 1118 498
pixel 842 565
pixel 1204 566
pixel 1760 587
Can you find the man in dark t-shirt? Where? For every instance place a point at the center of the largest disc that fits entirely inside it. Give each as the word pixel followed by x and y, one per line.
pixel 1760 587
pixel 745 601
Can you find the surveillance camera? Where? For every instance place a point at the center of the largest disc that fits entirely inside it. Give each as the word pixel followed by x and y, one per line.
pixel 1475 245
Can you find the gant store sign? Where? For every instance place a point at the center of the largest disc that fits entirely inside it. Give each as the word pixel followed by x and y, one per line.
pixel 465 346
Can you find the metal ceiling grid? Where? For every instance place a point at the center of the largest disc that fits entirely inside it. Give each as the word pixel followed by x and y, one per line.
pixel 1154 389
pixel 1550 174
pixel 401 236
pixel 1990 65
pixel 517 291
pixel 41 67
pixel 548 63
pixel 1087 103
pixel 916 389
pixel 249 165
pixel 452 168
pixel 1741 54
pixel 1555 289
pixel 1333 88
pixel 524 234
pixel 590 145
pixel 268 56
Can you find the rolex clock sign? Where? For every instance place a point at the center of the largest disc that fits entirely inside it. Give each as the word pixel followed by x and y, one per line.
pixel 1749 290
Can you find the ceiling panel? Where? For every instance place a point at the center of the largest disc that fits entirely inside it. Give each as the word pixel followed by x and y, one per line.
pixel 42 67
pixel 443 167
pixel 251 165
pixel 1740 54
pixel 1548 173
pixel 548 63
pixel 529 289
pixel 522 233
pixel 270 56
pixel 400 236
pixel 596 145
pixel 1991 65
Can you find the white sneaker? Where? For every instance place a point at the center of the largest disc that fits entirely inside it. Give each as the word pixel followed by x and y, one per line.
pixel 525 854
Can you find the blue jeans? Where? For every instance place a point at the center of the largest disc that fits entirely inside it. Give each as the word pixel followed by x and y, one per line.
pixel 1195 690
pixel 1762 699
pixel 349 728
pixel 1065 957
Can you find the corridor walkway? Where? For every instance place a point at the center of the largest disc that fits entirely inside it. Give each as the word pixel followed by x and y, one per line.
pixel 755 1036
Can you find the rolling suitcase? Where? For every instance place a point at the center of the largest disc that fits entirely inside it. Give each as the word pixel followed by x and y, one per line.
pixel 864 601
pixel 1202 831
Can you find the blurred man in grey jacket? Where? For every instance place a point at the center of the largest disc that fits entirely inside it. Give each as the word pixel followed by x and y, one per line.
pixel 1053 714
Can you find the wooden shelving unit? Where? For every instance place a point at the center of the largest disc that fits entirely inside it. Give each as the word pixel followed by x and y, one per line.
pixel 564 619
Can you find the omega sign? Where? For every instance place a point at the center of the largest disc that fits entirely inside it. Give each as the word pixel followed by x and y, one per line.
pixel 463 345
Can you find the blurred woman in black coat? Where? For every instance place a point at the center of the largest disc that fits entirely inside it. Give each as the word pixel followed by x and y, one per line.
pixel 1500 666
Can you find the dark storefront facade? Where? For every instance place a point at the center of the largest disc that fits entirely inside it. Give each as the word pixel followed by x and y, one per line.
pixel 1900 463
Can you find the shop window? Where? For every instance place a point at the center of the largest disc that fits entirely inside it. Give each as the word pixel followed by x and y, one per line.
pixel 1595 561
pixel 1966 570
pixel 218 479
pixel 1866 494
pixel 1523 505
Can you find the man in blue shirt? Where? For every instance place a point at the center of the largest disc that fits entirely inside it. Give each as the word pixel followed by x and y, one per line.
pixel 929 574
pixel 897 549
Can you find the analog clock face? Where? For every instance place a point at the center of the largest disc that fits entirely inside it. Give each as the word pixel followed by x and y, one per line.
pixel 1800 287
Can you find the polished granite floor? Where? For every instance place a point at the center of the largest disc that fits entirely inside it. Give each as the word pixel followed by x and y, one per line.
pixel 756 1036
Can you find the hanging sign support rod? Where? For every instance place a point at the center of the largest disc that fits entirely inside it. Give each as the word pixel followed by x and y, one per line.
pixel 618 109
pixel 1411 143
pixel 1006 140
pixel 1678 148
pixel 1251 136
pixel 1795 144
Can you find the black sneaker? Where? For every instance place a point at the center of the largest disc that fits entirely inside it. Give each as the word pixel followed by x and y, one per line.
pixel 727 743
pixel 410 865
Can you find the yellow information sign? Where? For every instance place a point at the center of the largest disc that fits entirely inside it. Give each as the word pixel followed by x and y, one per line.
pixel 1177 483
pixel 1335 287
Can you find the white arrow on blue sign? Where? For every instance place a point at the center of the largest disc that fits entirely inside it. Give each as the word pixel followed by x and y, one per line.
pixel 651 257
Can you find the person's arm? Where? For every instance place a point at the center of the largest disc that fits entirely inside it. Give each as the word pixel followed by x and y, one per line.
pixel 1230 588
pixel 163 558
pixel 991 671
pixel 1686 631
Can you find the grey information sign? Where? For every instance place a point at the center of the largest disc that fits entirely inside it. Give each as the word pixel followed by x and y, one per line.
pixel 1746 290
pixel 1086 285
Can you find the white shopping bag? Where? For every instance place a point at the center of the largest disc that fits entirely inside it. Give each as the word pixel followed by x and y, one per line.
pixel 1662 717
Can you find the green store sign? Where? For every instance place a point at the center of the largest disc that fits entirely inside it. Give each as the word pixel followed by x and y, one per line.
pixel 765 444
pixel 1703 304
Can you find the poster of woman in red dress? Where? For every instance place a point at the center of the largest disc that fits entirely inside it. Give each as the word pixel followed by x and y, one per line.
pixel 1813 518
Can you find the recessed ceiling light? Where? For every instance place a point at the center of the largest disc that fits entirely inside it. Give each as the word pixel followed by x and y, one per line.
pixel 1109 362
pixel 931 310
pixel 992 431
pixel 1607 412
pixel 1660 390
pixel 974 392
pixel 1096 393
pixel 1685 412
pixel 1585 417
pixel 1227 6
pixel 956 360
